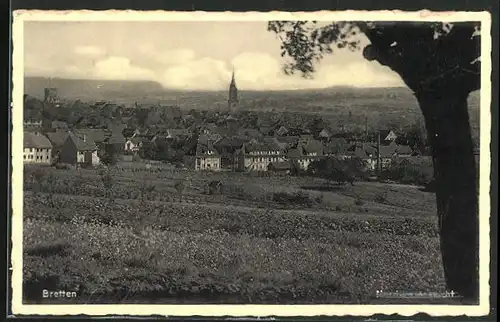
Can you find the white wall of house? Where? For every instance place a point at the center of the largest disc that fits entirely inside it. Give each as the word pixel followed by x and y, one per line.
pixel 131 146
pixel 257 162
pixel 207 163
pixel 37 155
pixel 95 158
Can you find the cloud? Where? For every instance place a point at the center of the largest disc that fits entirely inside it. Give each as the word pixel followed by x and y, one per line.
pixel 116 67
pixel 204 74
pixel 180 69
pixel 89 51
pixel 166 57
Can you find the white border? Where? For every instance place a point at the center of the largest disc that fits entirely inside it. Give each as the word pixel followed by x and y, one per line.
pixel 248 310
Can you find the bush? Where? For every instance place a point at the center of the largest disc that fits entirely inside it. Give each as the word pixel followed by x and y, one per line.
pixel 297 198
pixel 359 202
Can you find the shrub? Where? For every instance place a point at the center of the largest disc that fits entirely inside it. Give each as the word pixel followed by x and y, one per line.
pixel 297 198
pixel 359 202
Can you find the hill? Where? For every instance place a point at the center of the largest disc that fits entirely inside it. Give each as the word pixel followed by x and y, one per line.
pixel 345 104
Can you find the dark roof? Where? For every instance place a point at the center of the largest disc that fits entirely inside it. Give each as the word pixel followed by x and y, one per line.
pixel 313 146
pixel 32 128
pixel 95 135
pixel 295 152
pixel 57 138
pixel 336 146
pixel 80 144
pixel 253 133
pixel 387 151
pixel 403 149
pixel 266 129
pixel 281 130
pixel 39 141
pixel 288 139
pixel 233 142
pixel 384 133
pixel 172 133
pixel 264 146
pixel 59 125
pixel 204 146
pixel 115 137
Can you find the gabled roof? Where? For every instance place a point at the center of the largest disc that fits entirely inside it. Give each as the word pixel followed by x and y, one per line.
pixel 80 144
pixel 324 133
pixel 39 141
pixel 288 139
pixel 262 146
pixel 387 151
pixel 59 125
pixel 295 152
pixel 95 135
pixel 174 133
pixel 281 130
pixel 57 138
pixel 115 137
pixel 233 142
pixel 403 149
pixel 384 133
pixel 313 146
pixel 336 146
pixel 249 132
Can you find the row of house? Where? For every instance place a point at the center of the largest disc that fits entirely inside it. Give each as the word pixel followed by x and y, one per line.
pixel 80 146
pixel 278 153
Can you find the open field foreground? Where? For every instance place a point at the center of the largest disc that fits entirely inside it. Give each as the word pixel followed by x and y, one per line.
pixel 337 244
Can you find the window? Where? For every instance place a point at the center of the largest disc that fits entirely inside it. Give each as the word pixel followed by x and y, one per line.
pixel 24 157
pixel 31 149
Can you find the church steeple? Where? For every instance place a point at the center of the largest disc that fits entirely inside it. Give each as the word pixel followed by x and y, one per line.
pixel 233 95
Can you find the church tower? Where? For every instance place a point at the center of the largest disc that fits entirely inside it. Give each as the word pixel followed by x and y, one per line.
pixel 233 96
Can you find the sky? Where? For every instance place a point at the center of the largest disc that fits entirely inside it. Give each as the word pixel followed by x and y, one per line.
pixel 185 55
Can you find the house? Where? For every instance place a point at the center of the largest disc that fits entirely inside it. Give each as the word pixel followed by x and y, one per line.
pixel 134 144
pixel 405 151
pixel 281 131
pixel 280 167
pixel 59 126
pixel 57 139
pixel 116 140
pixel 37 148
pixel 79 150
pixel 324 134
pixel 387 136
pixel 336 147
pixel 203 156
pixel 227 147
pixel 98 136
pixel 249 133
pixel 174 134
pixel 304 154
pixel 286 142
pixel 33 122
pixel 257 155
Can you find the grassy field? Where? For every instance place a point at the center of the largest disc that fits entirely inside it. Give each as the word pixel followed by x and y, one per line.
pixel 341 245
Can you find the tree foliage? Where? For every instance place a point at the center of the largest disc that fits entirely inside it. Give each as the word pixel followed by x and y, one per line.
pixel 426 55
pixel 340 171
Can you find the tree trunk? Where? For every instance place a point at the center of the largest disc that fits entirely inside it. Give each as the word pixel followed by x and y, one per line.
pixel 448 129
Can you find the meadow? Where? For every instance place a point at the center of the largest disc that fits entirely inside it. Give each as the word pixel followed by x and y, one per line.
pixel 336 244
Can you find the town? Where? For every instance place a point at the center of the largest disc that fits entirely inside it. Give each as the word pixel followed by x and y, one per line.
pixel 225 140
